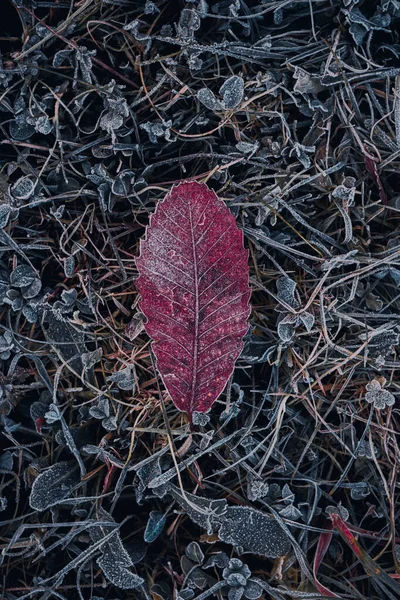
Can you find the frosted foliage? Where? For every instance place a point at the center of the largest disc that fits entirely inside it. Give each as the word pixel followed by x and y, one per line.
pixel 232 91
pixel 237 525
pixel 286 288
pixel 207 98
pixel 53 485
pixel 255 531
pixel 115 560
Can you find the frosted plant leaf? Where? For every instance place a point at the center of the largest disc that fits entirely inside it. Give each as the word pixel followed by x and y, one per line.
pixel 53 485
pixel 102 409
pixel 117 573
pixel 232 91
pixel 286 288
pixel 205 512
pixel 124 379
pixel 150 8
pixel 5 211
pixel 256 488
pixel 189 22
pixel 122 186
pixel 338 510
pixel 23 189
pixel 373 302
pixel 364 449
pixel 206 97
pixel 346 191
pixel 6 462
pixel 103 413
pixel 397 552
pixel 6 345
pixel 135 326
pixel 291 512
pixel 255 531
pixel 247 148
pixel 69 266
pixel 287 494
pixel 154 527
pixel 143 38
pixel 287 327
pixel 111 121
pixel 31 291
pixel 308 320
pixel 301 151
pixel 115 560
pixel 52 415
pixel 22 276
pixel 195 553
pixel 200 419
pixel 359 490
pixel 89 359
pixel 378 396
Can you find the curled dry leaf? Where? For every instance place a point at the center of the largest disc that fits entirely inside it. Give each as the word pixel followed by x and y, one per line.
pixel 193 281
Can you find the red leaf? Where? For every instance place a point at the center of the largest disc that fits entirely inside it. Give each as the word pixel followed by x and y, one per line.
pixel 193 281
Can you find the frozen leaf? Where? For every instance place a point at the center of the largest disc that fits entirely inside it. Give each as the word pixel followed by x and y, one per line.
pixel 378 396
pixel 6 345
pixel 207 98
pixel 122 186
pixel 5 211
pixel 232 91
pixel 6 462
pixel 255 531
pixel 135 326
pixel 286 328
pixel 247 148
pixel 308 320
pixel 111 121
pixel 69 266
pixel 103 413
pixel 115 560
pixel 189 22
pixel 154 527
pixel 31 291
pixel 89 359
pixel 291 512
pixel 200 419
pixel 52 415
pixel 364 449
pixel 125 379
pixel 53 485
pixel 359 490
pixel 204 511
pixel 193 281
pixel 195 553
pixel 22 275
pixel 286 288
pixel 338 510
pixel 117 573
pixel 102 409
pixel 256 488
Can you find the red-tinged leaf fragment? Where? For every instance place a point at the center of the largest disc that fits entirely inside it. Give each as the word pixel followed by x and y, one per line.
pixel 193 281
pixel 322 547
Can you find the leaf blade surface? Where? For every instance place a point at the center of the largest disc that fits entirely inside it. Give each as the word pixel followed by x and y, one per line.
pixel 193 281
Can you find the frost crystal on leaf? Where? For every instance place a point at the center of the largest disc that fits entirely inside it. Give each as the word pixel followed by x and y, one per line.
pixel 53 485
pixel 232 91
pixel 378 396
pixel 255 531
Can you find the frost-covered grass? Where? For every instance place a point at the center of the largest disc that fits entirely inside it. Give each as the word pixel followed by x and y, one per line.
pixel 290 112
